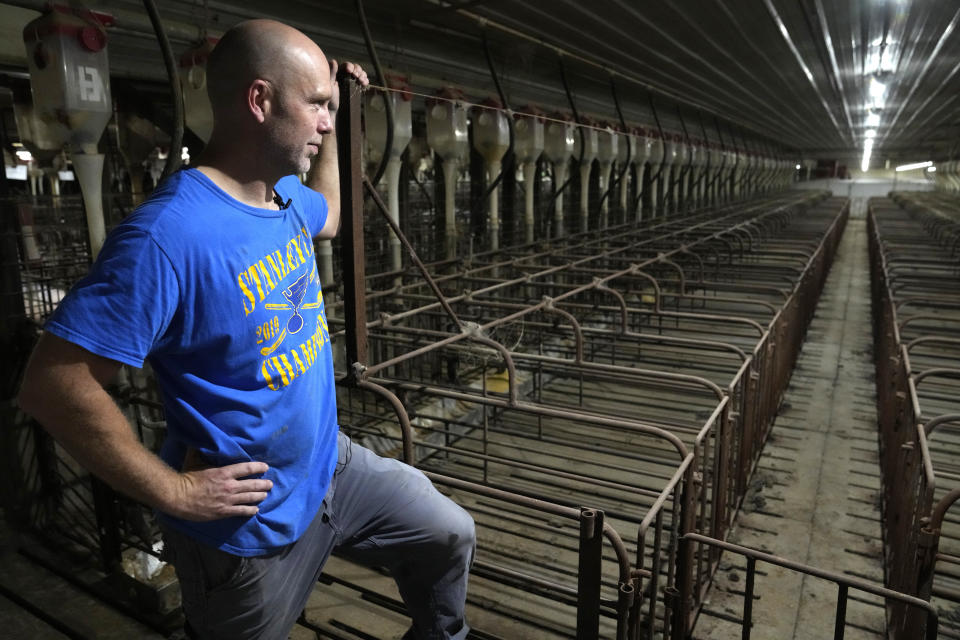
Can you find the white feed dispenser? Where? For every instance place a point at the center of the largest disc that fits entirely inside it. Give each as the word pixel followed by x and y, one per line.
pixel 607 152
pixel 447 136
pixel 70 78
pixel 491 139
pixel 739 169
pixel 670 154
pixel 710 169
pixel 586 136
pixel 681 173
pixel 375 140
pixel 694 161
pixel 626 149
pixel 197 113
pixel 730 174
pixel 528 144
pixel 750 177
pixel 642 152
pixel 558 143
pixel 656 161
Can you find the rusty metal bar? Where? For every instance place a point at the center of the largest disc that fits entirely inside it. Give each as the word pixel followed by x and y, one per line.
pixel 349 155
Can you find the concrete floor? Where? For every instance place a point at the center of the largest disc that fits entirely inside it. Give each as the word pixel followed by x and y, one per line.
pixel 815 495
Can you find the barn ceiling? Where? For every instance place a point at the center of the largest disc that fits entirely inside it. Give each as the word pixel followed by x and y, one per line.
pixel 815 77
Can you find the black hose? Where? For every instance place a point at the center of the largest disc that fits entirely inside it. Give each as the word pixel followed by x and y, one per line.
pixel 746 149
pixel 176 141
pixel 387 102
pixel 663 141
pixel 508 155
pixel 686 170
pixel 736 160
pixel 706 145
pixel 623 125
pixel 723 157
pixel 576 118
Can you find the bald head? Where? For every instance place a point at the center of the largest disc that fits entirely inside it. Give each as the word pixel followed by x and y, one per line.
pixel 254 49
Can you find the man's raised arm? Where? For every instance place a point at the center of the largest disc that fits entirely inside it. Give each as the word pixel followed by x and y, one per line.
pixel 324 175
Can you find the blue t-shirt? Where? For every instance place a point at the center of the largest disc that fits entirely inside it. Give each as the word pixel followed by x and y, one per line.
pixel 225 302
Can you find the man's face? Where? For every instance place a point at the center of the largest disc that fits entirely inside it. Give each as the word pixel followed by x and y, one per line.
pixel 301 114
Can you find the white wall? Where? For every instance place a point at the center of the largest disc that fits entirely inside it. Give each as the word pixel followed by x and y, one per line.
pixel 869 187
pixel 873 184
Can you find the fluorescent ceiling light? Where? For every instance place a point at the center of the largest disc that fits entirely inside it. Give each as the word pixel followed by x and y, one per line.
pixel 867 151
pixel 870 133
pixel 873 120
pixel 931 169
pixel 877 88
pixel 915 165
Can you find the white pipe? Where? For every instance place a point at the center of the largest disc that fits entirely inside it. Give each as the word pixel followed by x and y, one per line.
pixel 325 253
pixel 559 177
pixel 638 170
pixel 529 175
pixel 493 170
pixel 605 169
pixel 392 176
pixel 654 192
pixel 584 193
pixel 451 167
pixel 89 171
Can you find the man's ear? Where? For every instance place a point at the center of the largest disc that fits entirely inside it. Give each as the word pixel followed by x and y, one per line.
pixel 259 99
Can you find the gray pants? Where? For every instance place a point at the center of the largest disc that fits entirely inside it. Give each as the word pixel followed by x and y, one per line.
pixel 377 511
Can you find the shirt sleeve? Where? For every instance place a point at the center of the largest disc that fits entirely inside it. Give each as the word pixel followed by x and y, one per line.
pixel 312 204
pixel 123 307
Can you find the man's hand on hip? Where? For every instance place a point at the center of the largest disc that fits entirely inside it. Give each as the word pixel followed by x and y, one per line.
pixel 220 492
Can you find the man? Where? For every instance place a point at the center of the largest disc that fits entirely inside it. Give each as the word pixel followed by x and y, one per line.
pixel 214 281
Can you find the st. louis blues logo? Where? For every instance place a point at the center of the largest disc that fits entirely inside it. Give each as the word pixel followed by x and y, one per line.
pixel 294 295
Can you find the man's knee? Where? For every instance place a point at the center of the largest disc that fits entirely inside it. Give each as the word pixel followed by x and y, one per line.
pixel 463 534
pixel 451 528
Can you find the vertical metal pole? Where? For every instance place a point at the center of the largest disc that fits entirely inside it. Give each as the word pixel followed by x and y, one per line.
pixel 351 215
pixel 748 599
pixel 108 525
pixel 588 582
pixel 841 621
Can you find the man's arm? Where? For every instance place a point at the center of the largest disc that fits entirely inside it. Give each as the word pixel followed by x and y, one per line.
pixel 63 388
pixel 324 175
